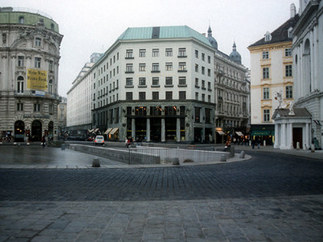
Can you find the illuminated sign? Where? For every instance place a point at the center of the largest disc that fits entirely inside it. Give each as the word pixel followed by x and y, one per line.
pixel 36 79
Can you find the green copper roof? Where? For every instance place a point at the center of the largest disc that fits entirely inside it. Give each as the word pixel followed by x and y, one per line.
pixel 170 32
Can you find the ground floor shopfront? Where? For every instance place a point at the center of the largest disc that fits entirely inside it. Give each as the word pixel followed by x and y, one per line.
pixel 28 129
pixel 157 121
pixel 263 134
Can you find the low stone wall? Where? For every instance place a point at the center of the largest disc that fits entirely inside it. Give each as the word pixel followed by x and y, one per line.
pixel 124 156
pixel 185 155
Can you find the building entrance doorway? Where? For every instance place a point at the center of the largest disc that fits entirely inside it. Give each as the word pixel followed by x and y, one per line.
pixel 36 130
pixel 141 129
pixel 19 131
pixel 298 137
pixel 155 129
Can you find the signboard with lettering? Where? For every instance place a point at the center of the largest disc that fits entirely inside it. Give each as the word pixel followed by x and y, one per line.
pixel 36 79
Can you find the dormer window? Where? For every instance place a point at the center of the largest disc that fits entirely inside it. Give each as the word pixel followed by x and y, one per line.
pixel 290 32
pixel 267 37
pixel 38 42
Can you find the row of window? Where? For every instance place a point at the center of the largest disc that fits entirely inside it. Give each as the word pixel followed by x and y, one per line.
pixel 37 63
pixel 265 54
pixel 288 71
pixel 288 92
pixel 168 96
pixel 21 20
pixel 37 107
pixel 155 67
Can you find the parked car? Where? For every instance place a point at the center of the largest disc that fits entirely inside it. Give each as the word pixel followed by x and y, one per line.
pixel 99 140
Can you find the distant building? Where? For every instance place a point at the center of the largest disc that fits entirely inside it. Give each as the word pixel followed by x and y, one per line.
pixel 79 97
pixel 302 125
pixel 272 76
pixel 29 50
pixel 61 116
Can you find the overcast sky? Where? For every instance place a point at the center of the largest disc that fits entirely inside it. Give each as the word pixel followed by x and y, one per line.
pixel 93 25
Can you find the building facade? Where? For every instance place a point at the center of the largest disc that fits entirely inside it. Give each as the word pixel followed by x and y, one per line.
pixel 157 84
pixel 302 131
pixel 271 64
pixel 29 50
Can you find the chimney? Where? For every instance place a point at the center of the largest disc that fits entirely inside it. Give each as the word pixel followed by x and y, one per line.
pixel 292 10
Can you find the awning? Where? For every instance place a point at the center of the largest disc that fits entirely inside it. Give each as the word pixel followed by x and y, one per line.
pixel 96 130
pixel 239 133
pixel 108 131
pixel 220 132
pixel 113 131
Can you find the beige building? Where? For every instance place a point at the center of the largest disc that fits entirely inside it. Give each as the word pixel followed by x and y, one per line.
pixel 271 78
pixel 29 50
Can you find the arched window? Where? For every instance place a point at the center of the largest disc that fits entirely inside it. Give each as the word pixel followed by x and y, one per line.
pixel 50 86
pixel 20 84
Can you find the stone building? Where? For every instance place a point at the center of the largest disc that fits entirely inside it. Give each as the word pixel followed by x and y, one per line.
pixel 303 124
pixel 29 52
pixel 271 64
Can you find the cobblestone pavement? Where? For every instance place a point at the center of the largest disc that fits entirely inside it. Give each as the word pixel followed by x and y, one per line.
pixel 271 197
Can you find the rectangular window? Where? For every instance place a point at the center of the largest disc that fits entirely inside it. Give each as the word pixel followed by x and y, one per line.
pixel 209 59
pixel 289 91
pixel 142 81
pixel 182 95
pixel 288 70
pixel 209 98
pixel 142 96
pixel 142 53
pixel 51 109
pixel 169 81
pixel 182 81
pixel 203 97
pixel 266 115
pixel 203 57
pixel 169 52
pixel 169 66
pixel 50 66
pixel 265 55
pixel 155 95
pixel 37 62
pixel 209 86
pixel 266 93
pixel 209 72
pixel 265 73
pixel 129 68
pixel 155 53
pixel 182 52
pixel 203 84
pixel 197 83
pixel 197 114
pixel 129 82
pixel 36 107
pixel 38 42
pixel 197 96
pixel 207 115
pixel 20 107
pixel 196 54
pixel 129 54
pixel 129 96
pixel 288 52
pixel 155 67
pixel 21 61
pixel 20 86
pixel 182 67
pixel 196 68
pixel 155 81
pixel 169 95
pixel 203 70
pixel 142 66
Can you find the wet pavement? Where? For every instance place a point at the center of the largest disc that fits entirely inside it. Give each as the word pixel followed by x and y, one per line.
pixel 36 156
pixel 273 196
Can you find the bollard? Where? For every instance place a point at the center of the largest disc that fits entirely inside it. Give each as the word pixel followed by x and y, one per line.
pixel 297 145
pixel 264 143
pixel 231 150
pixel 223 157
pixel 96 163
pixel 63 146
pixel 312 148
pixel 242 154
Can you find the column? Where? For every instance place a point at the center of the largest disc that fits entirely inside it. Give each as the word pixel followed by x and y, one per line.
pixel 148 130
pixel 306 139
pixel 277 138
pixel 163 130
pixel 133 128
pixel 178 129
pixel 290 136
pixel 283 136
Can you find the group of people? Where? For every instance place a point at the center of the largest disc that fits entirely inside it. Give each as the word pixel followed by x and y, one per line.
pixel 128 142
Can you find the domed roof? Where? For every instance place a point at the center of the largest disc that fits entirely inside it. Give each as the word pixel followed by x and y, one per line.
pixel 235 56
pixel 211 39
